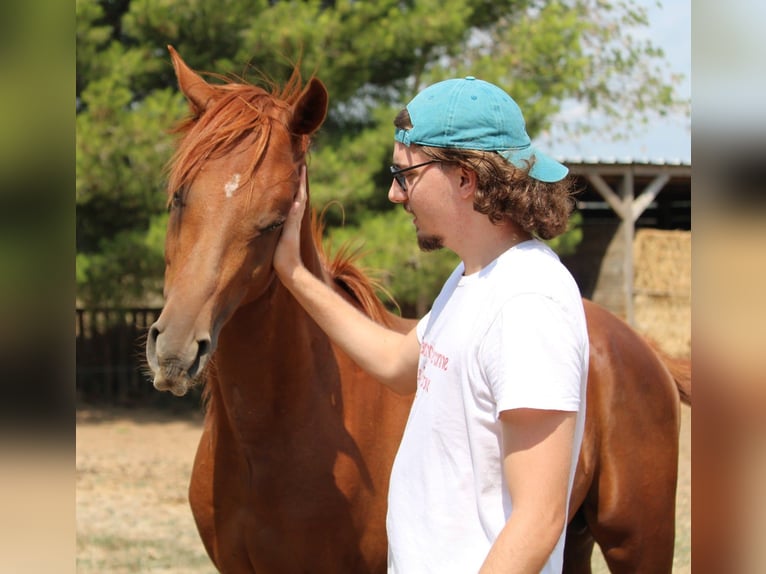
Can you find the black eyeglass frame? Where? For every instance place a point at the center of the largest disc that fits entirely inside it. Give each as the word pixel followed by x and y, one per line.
pixel 400 179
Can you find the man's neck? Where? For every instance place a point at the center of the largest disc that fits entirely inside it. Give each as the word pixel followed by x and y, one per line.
pixel 486 242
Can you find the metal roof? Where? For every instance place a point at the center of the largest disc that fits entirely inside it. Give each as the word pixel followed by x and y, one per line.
pixel 620 166
pixel 623 161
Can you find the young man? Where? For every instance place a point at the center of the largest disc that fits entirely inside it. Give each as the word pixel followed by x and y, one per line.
pixel 482 477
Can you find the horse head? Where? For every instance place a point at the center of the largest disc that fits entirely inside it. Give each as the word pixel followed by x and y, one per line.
pixel 231 184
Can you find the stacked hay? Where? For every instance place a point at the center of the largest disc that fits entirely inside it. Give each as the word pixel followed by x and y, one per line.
pixel 662 288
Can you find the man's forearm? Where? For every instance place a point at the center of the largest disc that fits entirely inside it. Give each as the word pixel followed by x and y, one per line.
pixel 524 545
pixel 375 348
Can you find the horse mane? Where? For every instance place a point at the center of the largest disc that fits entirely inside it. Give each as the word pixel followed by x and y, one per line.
pixel 349 277
pixel 239 109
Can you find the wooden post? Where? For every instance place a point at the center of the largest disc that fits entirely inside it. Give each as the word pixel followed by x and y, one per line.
pixel 628 234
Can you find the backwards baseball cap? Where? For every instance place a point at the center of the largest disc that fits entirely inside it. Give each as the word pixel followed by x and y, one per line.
pixel 474 114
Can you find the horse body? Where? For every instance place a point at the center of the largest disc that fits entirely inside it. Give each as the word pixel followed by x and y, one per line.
pixel 625 484
pixel 291 473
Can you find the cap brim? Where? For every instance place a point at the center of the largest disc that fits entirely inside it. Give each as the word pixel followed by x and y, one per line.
pixel 544 168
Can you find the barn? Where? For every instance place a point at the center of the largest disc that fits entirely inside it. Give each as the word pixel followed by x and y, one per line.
pixel 635 254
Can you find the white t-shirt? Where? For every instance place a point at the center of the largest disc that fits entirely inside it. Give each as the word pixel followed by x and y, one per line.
pixel 510 336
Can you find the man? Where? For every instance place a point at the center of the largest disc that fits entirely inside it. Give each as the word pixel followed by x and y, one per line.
pixel 482 477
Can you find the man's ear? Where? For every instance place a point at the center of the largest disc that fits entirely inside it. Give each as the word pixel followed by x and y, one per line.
pixel 468 182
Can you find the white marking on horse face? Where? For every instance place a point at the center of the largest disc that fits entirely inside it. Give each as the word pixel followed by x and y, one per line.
pixel 232 185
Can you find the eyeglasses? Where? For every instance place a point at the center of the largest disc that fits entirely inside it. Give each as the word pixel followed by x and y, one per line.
pixel 400 179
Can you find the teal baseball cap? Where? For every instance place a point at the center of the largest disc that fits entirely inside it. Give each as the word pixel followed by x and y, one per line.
pixel 468 113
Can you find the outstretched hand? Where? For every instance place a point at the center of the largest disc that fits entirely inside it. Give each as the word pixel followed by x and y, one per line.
pixel 287 255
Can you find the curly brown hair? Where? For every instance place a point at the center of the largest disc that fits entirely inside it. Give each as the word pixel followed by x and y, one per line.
pixel 506 191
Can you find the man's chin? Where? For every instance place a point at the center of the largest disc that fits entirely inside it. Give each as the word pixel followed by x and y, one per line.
pixel 430 243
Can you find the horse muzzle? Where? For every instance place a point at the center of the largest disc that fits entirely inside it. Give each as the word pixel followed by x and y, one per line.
pixel 176 362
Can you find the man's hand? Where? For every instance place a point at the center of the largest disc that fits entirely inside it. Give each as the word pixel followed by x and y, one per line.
pixel 287 256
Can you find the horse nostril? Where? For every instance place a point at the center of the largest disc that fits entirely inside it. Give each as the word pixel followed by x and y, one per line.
pixel 203 347
pixel 203 350
pixel 151 347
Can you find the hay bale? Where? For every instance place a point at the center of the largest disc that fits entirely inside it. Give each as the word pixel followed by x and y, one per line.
pixel 666 321
pixel 662 261
pixel 662 288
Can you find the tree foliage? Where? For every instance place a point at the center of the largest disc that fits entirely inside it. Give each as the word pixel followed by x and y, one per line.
pixel 373 57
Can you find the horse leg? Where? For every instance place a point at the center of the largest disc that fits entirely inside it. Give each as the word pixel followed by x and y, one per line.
pixel 634 411
pixel 634 520
pixel 579 546
pixel 201 492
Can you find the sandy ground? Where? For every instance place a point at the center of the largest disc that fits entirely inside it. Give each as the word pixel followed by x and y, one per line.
pixel 133 515
pixel 132 474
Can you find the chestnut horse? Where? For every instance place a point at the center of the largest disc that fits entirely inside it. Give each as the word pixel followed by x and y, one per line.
pixel 291 473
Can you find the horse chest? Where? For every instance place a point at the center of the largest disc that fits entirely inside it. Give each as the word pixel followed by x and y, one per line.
pixel 275 516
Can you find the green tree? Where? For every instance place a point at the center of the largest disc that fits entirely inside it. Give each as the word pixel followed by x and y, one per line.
pixel 373 57
pixel 119 189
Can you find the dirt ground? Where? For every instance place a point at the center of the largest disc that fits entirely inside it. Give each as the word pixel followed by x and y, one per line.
pixel 132 473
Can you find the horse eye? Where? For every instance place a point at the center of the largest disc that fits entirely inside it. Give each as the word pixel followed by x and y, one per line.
pixel 177 200
pixel 272 227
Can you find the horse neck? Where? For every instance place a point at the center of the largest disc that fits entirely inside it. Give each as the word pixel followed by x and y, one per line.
pixel 273 364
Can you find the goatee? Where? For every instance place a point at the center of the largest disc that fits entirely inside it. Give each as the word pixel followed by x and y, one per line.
pixel 430 243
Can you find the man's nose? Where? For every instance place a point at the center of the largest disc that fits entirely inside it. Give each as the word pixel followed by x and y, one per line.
pixel 396 194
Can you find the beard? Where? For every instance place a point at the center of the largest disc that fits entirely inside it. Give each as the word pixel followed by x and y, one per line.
pixel 430 243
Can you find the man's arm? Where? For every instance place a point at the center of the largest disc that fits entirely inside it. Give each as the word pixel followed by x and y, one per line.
pixel 537 448
pixel 389 356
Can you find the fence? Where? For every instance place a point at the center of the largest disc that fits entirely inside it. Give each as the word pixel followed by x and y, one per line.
pixel 111 368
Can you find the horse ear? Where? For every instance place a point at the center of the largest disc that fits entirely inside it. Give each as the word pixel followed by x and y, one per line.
pixel 310 109
pixel 197 91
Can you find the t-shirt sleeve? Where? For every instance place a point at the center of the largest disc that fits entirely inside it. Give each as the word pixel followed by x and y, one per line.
pixel 533 356
pixel 420 329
